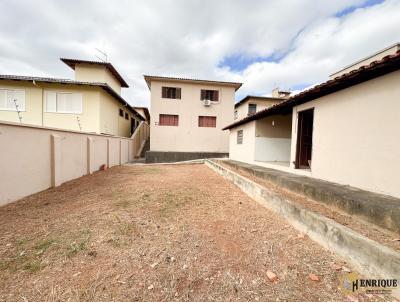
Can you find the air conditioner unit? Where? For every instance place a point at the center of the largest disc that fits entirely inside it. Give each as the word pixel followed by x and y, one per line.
pixel 207 103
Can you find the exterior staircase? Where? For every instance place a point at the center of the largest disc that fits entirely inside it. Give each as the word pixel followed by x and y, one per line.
pixel 141 140
pixel 146 147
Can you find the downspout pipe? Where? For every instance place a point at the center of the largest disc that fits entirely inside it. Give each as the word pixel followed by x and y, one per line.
pixel 34 83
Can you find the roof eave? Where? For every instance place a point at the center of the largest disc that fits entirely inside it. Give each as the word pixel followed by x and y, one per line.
pixel 149 78
pixel 375 69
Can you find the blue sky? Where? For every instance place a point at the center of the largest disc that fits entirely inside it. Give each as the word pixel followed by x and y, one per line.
pixel 239 62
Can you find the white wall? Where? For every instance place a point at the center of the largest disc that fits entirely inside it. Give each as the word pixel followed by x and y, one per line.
pixel 356 136
pixel 188 136
pixel 243 152
pixel 273 136
pixel 272 149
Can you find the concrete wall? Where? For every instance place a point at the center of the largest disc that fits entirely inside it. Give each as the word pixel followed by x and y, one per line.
pixel 273 138
pixel 244 152
pixel 95 73
pixel 243 109
pixel 188 137
pixel 356 135
pixel 34 158
pixel 100 111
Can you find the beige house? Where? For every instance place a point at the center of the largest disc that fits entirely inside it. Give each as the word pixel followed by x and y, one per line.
pixel 252 104
pixel 344 130
pixel 144 112
pixel 187 117
pixel 92 102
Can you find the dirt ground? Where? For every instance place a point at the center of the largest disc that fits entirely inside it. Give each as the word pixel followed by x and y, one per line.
pixel 156 233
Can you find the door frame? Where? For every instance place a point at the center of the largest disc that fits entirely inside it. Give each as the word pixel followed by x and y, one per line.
pixel 299 135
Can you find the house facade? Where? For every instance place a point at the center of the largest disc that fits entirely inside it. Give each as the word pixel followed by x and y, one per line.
pixel 252 104
pixel 92 102
pixel 187 117
pixel 344 130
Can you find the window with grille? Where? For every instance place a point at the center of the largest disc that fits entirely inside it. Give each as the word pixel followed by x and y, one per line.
pixel 9 98
pixel 170 93
pixel 240 137
pixel 211 95
pixel 252 108
pixel 208 121
pixel 168 120
pixel 63 102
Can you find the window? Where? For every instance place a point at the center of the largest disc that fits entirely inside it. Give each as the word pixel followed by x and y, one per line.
pixel 235 115
pixel 8 96
pixel 171 93
pixel 252 108
pixel 208 121
pixel 126 116
pixel 63 102
pixel 211 95
pixel 168 120
pixel 240 137
pixel 121 112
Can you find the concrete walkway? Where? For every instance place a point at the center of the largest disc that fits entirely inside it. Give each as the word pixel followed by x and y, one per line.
pixel 378 209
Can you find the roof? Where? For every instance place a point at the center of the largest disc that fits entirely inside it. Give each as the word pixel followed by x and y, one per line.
pixel 394 46
pixel 375 69
pixel 149 78
pixel 145 110
pixel 104 86
pixel 72 62
pixel 261 98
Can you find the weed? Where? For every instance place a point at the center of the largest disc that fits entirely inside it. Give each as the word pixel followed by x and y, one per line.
pixel 43 245
pixel 80 244
pixel 32 266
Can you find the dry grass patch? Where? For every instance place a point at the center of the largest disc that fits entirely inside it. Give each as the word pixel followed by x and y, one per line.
pixel 155 233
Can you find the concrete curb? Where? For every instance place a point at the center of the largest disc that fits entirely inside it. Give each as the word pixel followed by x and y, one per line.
pixel 187 162
pixel 367 256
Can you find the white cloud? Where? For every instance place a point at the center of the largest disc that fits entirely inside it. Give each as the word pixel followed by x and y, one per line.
pixel 191 38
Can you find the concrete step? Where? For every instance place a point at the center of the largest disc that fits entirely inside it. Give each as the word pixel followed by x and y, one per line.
pixel 381 210
pixel 369 257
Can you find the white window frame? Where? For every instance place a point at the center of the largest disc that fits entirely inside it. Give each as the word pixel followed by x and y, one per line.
pixel 21 107
pixel 63 92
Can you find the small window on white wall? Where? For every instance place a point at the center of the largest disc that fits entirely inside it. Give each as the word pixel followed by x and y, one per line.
pixel 11 97
pixel 63 102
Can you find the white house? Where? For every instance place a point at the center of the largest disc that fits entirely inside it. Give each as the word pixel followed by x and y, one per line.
pixel 345 130
pixel 187 116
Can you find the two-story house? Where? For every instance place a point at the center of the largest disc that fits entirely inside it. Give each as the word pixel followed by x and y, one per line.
pixel 252 104
pixel 92 102
pixel 187 116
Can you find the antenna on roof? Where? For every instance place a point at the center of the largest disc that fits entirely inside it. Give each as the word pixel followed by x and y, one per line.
pixel 104 56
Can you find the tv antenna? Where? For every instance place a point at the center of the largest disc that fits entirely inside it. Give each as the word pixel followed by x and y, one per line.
pixel 102 55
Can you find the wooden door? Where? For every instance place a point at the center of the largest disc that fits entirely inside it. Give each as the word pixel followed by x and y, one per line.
pixel 304 138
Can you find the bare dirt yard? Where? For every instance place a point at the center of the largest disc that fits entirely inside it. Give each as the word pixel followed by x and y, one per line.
pixel 156 233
